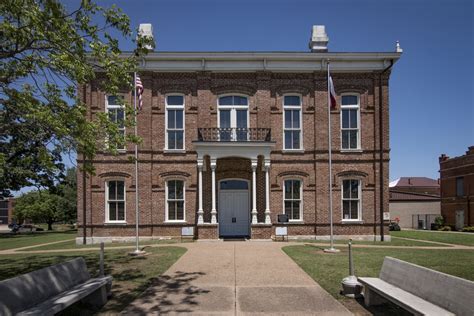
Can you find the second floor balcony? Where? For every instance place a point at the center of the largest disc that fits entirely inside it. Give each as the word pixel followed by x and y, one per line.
pixel 238 134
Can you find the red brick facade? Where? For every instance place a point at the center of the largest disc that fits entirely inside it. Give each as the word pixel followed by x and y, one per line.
pixel 265 91
pixel 452 170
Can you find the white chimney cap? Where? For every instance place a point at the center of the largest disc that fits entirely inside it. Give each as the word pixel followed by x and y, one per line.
pixel 398 49
pixel 146 30
pixel 319 39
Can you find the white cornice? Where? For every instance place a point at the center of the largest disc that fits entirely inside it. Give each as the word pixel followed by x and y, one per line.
pixel 266 61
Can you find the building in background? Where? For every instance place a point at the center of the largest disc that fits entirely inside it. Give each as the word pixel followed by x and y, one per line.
pixel 6 210
pixel 457 189
pixel 233 139
pixel 414 202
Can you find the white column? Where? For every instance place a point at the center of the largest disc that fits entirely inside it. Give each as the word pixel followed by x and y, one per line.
pixel 200 210
pixel 213 210
pixel 254 192
pixel 267 192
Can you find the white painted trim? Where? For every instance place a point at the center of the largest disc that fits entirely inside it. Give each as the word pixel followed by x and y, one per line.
pixel 107 213
pixel 249 150
pixel 167 220
pixel 306 62
pixel 175 107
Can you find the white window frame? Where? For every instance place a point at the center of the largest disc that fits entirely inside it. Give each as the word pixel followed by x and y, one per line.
pixel 166 202
pixel 117 106
pixel 301 199
pixel 233 110
pixel 175 107
pixel 352 107
pixel 359 195
pixel 293 107
pixel 107 209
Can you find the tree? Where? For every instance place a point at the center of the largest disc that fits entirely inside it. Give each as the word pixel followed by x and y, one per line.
pixel 40 207
pixel 67 190
pixel 46 54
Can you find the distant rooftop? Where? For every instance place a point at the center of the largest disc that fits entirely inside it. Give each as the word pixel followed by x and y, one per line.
pixel 414 182
pixel 412 196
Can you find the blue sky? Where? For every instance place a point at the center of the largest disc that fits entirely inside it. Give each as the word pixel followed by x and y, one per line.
pixel 431 87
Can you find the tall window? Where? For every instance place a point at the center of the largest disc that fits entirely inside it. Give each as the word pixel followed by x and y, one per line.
pixel 292 199
pixel 292 122
pixel 116 111
pixel 175 122
pixel 175 200
pixel 350 127
pixel 115 201
pixel 459 186
pixel 351 199
pixel 233 118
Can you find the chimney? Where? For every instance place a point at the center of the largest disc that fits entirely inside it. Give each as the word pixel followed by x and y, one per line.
pixel 146 30
pixel 398 49
pixel 409 180
pixel 319 39
pixel 442 158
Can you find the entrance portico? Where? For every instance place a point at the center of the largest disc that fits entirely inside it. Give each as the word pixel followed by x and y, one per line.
pixel 238 161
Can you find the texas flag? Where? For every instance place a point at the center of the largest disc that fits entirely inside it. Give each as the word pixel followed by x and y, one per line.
pixel 332 93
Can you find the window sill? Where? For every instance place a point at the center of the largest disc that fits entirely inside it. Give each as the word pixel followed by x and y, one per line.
pixel 351 150
pixel 174 151
pixel 352 221
pixel 292 151
pixel 116 223
pixel 175 222
pixel 299 221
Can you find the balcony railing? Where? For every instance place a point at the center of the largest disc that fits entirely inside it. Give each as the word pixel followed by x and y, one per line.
pixel 215 134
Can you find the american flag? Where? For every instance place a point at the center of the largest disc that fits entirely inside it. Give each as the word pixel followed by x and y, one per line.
pixel 139 88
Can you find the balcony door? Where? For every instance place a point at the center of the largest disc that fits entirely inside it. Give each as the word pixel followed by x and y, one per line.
pixel 233 118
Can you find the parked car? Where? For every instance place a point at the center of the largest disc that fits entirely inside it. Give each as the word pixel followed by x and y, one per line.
pixel 24 228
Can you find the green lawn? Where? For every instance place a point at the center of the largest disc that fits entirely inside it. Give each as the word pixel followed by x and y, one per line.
pixel 329 269
pixel 131 275
pixel 71 244
pixel 11 241
pixel 394 242
pixel 446 237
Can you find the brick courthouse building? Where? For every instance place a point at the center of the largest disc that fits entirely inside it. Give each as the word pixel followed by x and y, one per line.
pixel 232 139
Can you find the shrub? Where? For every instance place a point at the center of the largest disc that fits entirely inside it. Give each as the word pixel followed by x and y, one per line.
pixel 439 221
pixel 445 228
pixel 469 229
pixel 394 226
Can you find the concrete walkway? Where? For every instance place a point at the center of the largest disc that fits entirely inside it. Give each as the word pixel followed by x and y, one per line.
pixel 235 278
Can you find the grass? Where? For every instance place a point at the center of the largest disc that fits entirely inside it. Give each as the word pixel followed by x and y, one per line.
pixel 71 244
pixel 329 269
pixel 131 275
pixel 446 237
pixel 394 242
pixel 11 241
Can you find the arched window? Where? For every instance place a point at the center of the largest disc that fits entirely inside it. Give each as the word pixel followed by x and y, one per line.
pixel 350 122
pixel 351 200
pixel 292 121
pixel 233 120
pixel 174 122
pixel 115 201
pixel 292 199
pixel 116 111
pixel 175 201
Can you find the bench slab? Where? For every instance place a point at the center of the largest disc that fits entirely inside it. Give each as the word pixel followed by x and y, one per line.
pixel 69 297
pixel 400 297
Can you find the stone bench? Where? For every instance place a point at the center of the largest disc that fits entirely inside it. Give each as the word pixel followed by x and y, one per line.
pixel 419 290
pixel 50 290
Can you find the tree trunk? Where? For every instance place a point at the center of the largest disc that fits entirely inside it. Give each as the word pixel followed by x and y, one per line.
pixel 50 225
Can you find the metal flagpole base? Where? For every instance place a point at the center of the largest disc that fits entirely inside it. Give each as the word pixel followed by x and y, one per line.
pixel 138 253
pixel 331 250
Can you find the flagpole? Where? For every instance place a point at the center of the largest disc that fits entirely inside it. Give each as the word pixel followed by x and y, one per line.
pixel 331 248
pixel 137 249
